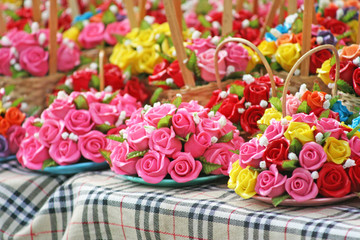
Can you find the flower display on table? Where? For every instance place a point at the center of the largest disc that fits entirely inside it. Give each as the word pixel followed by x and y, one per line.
pixel 177 140
pixel 73 128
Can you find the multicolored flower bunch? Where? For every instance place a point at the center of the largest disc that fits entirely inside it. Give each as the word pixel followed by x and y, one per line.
pixel 177 140
pixel 73 128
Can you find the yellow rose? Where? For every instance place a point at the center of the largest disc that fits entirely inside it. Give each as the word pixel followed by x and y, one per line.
pixel 133 33
pixel 123 56
pixel 354 29
pixel 287 54
pixel 233 174
pixel 301 131
pixel 270 113
pixel 337 151
pixel 147 58
pixel 2 109
pixel 267 48
pixel 323 72
pixel 158 29
pixel 144 38
pixel 245 183
pixel 72 34
pixel 254 59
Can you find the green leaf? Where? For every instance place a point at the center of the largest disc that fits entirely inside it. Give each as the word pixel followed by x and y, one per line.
pixel 226 138
pixel 111 97
pixel 262 127
pixel 254 23
pixel 290 165
pixel 104 128
pixel 136 154
pixel 17 102
pixel 108 17
pixel 192 62
pixel 154 98
pixel 119 38
pixel 167 57
pixel 333 100
pixel 65 88
pixel 204 22
pixel 203 7
pixel 304 108
pixel 276 102
pixel 49 163
pixel 79 25
pixel 324 114
pixel 95 82
pixel 295 146
pixel 345 87
pixel 275 66
pixel 85 60
pixel 216 107
pixel 297 26
pixel 160 39
pixel 27 28
pixel 186 139
pixel 9 89
pixel 92 9
pixel 237 89
pixel 144 25
pixel 351 134
pixel 348 16
pixel 165 121
pixel 106 155
pixel 279 91
pixel 277 200
pixel 208 167
pixel 325 137
pixel 12 14
pixel 116 138
pixel 235 151
pixel 37 124
pixel 205 34
pixel 177 101
pixel 316 87
pixel 332 60
pixel 81 102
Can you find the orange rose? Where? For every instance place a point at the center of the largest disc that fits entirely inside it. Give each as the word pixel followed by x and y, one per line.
pixel 14 116
pixel 350 52
pixel 298 38
pixel 314 99
pixel 352 3
pixel 285 38
pixel 96 18
pixel 4 126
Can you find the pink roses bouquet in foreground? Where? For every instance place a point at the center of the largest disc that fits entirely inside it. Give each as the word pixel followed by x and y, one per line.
pixel 73 128
pixel 178 139
pixel 300 157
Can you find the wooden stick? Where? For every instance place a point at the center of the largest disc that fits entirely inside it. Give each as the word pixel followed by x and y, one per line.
pixel 270 17
pixel 177 39
pixel 292 6
pixel 129 6
pixel 142 11
pixel 282 12
pixel 239 5
pixel 306 36
pixel 227 18
pixel 2 21
pixel 74 8
pixel 36 4
pixel 53 25
pixel 179 17
pixel 101 69
pixel 255 6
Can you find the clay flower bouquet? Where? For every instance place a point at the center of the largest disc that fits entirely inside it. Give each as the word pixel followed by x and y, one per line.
pixel 178 140
pixel 73 129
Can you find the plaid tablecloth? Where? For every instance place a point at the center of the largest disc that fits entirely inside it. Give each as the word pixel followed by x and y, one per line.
pixel 101 205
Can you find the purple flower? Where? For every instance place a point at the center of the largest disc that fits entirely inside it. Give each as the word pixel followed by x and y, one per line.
pixel 4 147
pixel 328 37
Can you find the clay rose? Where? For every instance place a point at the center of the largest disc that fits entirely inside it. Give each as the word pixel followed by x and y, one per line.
pixel 65 152
pixel 229 107
pixel 312 156
pixel 163 140
pixel 287 54
pixel 301 131
pixel 309 119
pixel 197 144
pixel 237 57
pixel 14 116
pixel 22 40
pixel 137 137
pixel 119 161
pixel 35 61
pixel 90 145
pixel 136 89
pixel 4 147
pixel 153 167
pixel 354 176
pixel 219 153
pixel 113 76
pixel 32 153
pixel 102 113
pixel 277 152
pixel 116 28
pixel 154 115
pixel 50 132
pixel 337 151
pixel 354 144
pixel 274 131
pixel 206 64
pixel 15 135
pixel 292 104
pixel 59 108
pixel 183 123
pixel 184 168
pixel 92 35
pixel 5 58
pixel 255 92
pixel 346 72
pixel 317 59
pixel 68 57
pixel 251 153
pixel 210 126
pixel 349 53
pixel 356 81
pixel 81 79
pixel 249 118
pixel 246 187
pixel 78 121
pixel 301 186
pixel 333 181
pixel 270 183
pixel 330 125
pixel 4 126
pixel 314 99
pixel 200 45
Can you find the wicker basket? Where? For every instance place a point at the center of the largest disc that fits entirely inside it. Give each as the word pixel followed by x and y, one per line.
pixel 94 53
pixel 351 101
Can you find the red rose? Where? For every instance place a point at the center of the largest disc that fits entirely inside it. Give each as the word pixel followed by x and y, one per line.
pixel 174 72
pixel 24 13
pixel 333 181
pixel 332 114
pixel 81 79
pixel 356 81
pixel 249 118
pixel 266 79
pixel 314 99
pixel 64 21
pixel 354 175
pixel 160 73
pixel 113 76
pixel 317 59
pixel 19 24
pixel 335 26
pixel 330 11
pixel 277 152
pixel 237 25
pixel 255 92
pixel 215 98
pixel 158 15
pixel 136 89
pixel 215 16
pixel 243 14
pixel 346 71
pixel 251 34
pixel 229 108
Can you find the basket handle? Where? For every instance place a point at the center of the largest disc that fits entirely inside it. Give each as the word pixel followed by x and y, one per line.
pixel 101 69
pixel 296 65
pixel 53 25
pixel 253 47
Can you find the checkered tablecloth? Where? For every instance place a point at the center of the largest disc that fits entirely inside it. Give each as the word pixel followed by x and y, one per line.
pixel 101 205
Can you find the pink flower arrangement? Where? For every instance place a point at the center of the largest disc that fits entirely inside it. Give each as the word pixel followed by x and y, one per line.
pixel 178 140
pixel 74 127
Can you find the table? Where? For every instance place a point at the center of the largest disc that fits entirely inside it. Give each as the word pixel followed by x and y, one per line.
pixel 101 205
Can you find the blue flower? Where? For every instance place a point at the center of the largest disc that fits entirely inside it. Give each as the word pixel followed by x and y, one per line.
pixel 4 147
pixel 355 122
pixel 282 28
pixel 344 113
pixel 269 37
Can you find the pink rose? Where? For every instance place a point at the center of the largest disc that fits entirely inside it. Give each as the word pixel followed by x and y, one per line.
pixel 46 34
pixel 201 45
pixel 15 134
pixel 210 126
pixel 136 117
pixel 310 119
pixel 92 35
pixel 183 123
pixel 184 168
pixel 65 152
pixel 274 131
pixel 90 145
pixel 312 156
pixel 120 164
pixel 219 153
pixel 251 153
pixel 194 107
pixel 270 183
pixel 79 121
pixel 153 116
pixel 137 137
pixel 228 127
pixel 103 113
pixel 301 186
pixel 35 61
pixel 237 56
pixel 116 28
pixel 197 144
pixel 59 108
pixel 23 40
pixel 32 153
pixel 9 36
pixel 126 103
pixel 5 58
pixel 30 129
pixel 50 132
pixel 330 125
pixel 153 167
pixel 68 57
pixel 292 105
pixel 237 140
pixel 206 64
pixel 92 96
pixel 163 140
pixel 354 144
